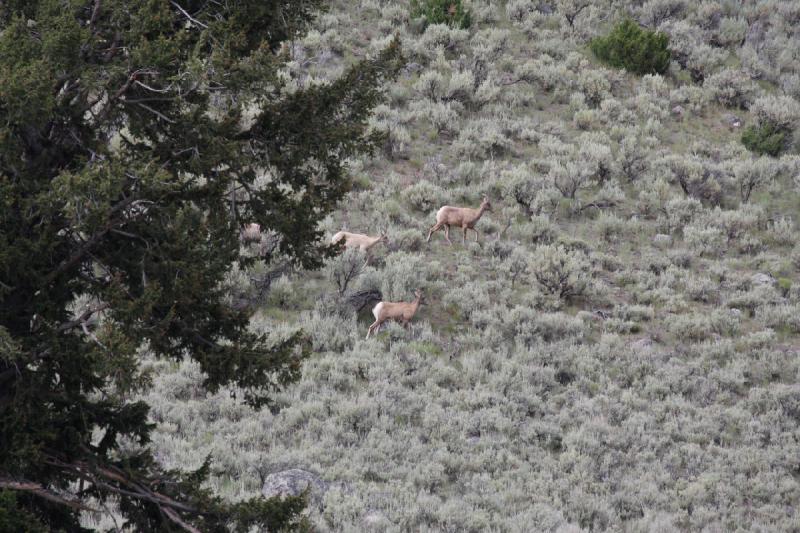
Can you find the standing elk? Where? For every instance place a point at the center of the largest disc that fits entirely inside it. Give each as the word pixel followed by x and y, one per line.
pixel 463 217
pixel 360 241
pixel 400 311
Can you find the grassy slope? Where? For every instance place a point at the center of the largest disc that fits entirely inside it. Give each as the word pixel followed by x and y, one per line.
pixel 484 417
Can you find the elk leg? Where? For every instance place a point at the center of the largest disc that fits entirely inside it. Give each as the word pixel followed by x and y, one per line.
pixel 435 227
pixel 464 240
pixel 371 328
pixel 447 234
pixel 476 234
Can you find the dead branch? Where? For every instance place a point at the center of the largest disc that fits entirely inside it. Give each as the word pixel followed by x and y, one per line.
pixel 42 492
pixel 187 15
pixel 83 318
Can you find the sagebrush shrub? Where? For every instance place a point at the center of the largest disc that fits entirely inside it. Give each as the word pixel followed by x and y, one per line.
pixel 737 224
pixel 344 269
pixel 633 48
pixel 731 87
pixel 783 232
pixel 529 326
pixel 703 239
pixel 425 196
pixel 776 118
pixel 482 139
pixel 389 124
pixel 654 12
pixel 595 86
pixel 755 173
pixel 519 10
pixel 696 176
pixel 731 31
pixel 783 111
pixel 561 272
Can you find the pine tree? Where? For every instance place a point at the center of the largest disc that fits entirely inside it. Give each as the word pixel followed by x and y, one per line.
pixel 132 137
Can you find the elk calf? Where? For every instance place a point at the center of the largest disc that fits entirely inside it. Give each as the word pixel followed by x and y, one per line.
pixel 463 217
pixel 360 241
pixel 401 311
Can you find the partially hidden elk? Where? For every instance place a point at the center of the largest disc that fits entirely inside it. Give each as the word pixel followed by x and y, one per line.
pixel 358 240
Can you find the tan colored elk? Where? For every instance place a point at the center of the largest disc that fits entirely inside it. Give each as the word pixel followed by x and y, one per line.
pixel 462 217
pixel 360 241
pixel 401 311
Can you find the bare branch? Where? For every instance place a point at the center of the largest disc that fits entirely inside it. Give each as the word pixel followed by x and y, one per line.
pixel 187 15
pixel 83 318
pixel 153 89
pixel 95 11
pixel 158 114
pixel 172 515
pixel 42 492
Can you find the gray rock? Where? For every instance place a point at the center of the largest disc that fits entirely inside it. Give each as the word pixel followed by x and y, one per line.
pixel 761 278
pixel 411 68
pixel 545 8
pixel 293 482
pixel 735 312
pixel 732 121
pixel 678 110
pixel 662 239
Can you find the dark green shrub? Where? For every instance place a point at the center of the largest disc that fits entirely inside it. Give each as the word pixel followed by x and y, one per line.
pixel 766 138
pixel 633 48
pixel 450 12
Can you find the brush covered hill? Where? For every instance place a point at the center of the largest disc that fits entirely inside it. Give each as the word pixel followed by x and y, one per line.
pixel 620 351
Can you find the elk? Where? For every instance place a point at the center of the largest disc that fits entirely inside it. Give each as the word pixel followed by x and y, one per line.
pixel 400 311
pixel 360 241
pixel 463 217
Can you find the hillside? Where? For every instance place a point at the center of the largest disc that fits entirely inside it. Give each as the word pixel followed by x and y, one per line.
pixel 619 351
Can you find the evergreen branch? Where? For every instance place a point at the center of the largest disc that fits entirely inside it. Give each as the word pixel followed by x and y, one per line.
pixel 103 477
pixel 75 258
pixel 172 515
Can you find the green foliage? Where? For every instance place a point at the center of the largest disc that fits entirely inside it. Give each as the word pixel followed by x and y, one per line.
pixel 766 138
pixel 785 285
pixel 13 518
pixel 451 12
pixel 633 48
pixel 133 136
